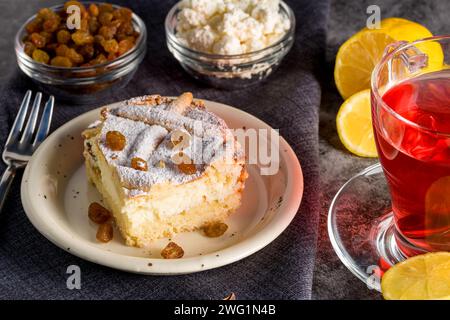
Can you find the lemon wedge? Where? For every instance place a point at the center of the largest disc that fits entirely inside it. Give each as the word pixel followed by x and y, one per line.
pixel 354 125
pixel 423 277
pixel 358 56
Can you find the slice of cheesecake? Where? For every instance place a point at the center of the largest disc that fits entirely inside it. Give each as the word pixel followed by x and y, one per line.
pixel 164 166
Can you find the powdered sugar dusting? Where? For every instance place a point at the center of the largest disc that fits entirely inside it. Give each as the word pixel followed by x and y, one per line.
pixel 147 127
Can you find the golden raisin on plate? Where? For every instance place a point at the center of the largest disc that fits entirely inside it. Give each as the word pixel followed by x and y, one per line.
pixel 115 140
pixel 98 214
pixel 105 232
pixel 172 251
pixel 214 230
pixel 139 164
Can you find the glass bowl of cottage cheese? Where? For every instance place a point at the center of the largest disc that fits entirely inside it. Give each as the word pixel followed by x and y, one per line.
pixel 230 44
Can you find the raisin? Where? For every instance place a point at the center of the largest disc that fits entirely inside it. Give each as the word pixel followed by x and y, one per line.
pixel 139 164
pixel 51 47
pixel 51 25
pixel 105 7
pixel 59 61
pixel 214 230
pixel 187 168
pixel 40 56
pixel 28 48
pixel 81 38
pixel 125 45
pixel 63 36
pixel 107 32
pixel 99 39
pixel 47 36
pixel 124 14
pixel 172 251
pixel 38 40
pixel 87 51
pixel 111 56
pixel 84 25
pixel 98 214
pixel 93 9
pixel 105 18
pixel 115 23
pixel 105 232
pixel 115 140
pixel 45 13
pixel 73 55
pixel 126 29
pixel 62 50
pixel 34 26
pixel 98 60
pixel 93 25
pixel 110 46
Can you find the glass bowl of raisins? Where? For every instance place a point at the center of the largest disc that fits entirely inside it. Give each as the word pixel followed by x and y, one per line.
pixel 81 51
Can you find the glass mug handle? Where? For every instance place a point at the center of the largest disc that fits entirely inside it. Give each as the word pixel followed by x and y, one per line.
pixel 411 57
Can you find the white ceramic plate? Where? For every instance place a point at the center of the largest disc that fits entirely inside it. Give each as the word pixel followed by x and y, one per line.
pixel 55 194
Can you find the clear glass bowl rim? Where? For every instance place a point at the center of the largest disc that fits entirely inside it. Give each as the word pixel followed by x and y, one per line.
pixel 117 63
pixel 173 38
pixel 376 94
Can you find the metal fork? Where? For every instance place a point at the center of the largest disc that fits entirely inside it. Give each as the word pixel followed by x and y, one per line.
pixel 22 142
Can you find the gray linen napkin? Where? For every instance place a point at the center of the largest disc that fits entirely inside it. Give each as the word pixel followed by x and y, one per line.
pixel 33 268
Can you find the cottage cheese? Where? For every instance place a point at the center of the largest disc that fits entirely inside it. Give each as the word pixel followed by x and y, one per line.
pixel 230 26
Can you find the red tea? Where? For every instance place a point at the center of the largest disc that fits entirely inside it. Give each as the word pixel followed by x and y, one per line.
pixel 413 143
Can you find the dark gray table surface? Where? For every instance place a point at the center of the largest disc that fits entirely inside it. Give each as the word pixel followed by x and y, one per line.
pixel 331 279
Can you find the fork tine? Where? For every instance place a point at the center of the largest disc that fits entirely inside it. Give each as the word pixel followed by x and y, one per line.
pixel 44 125
pixel 20 119
pixel 31 124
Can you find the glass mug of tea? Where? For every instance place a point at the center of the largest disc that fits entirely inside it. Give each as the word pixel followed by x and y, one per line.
pixel 410 100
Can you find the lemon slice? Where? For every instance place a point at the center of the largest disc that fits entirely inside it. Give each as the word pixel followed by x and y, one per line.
pixel 358 56
pixel 354 125
pixel 423 277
